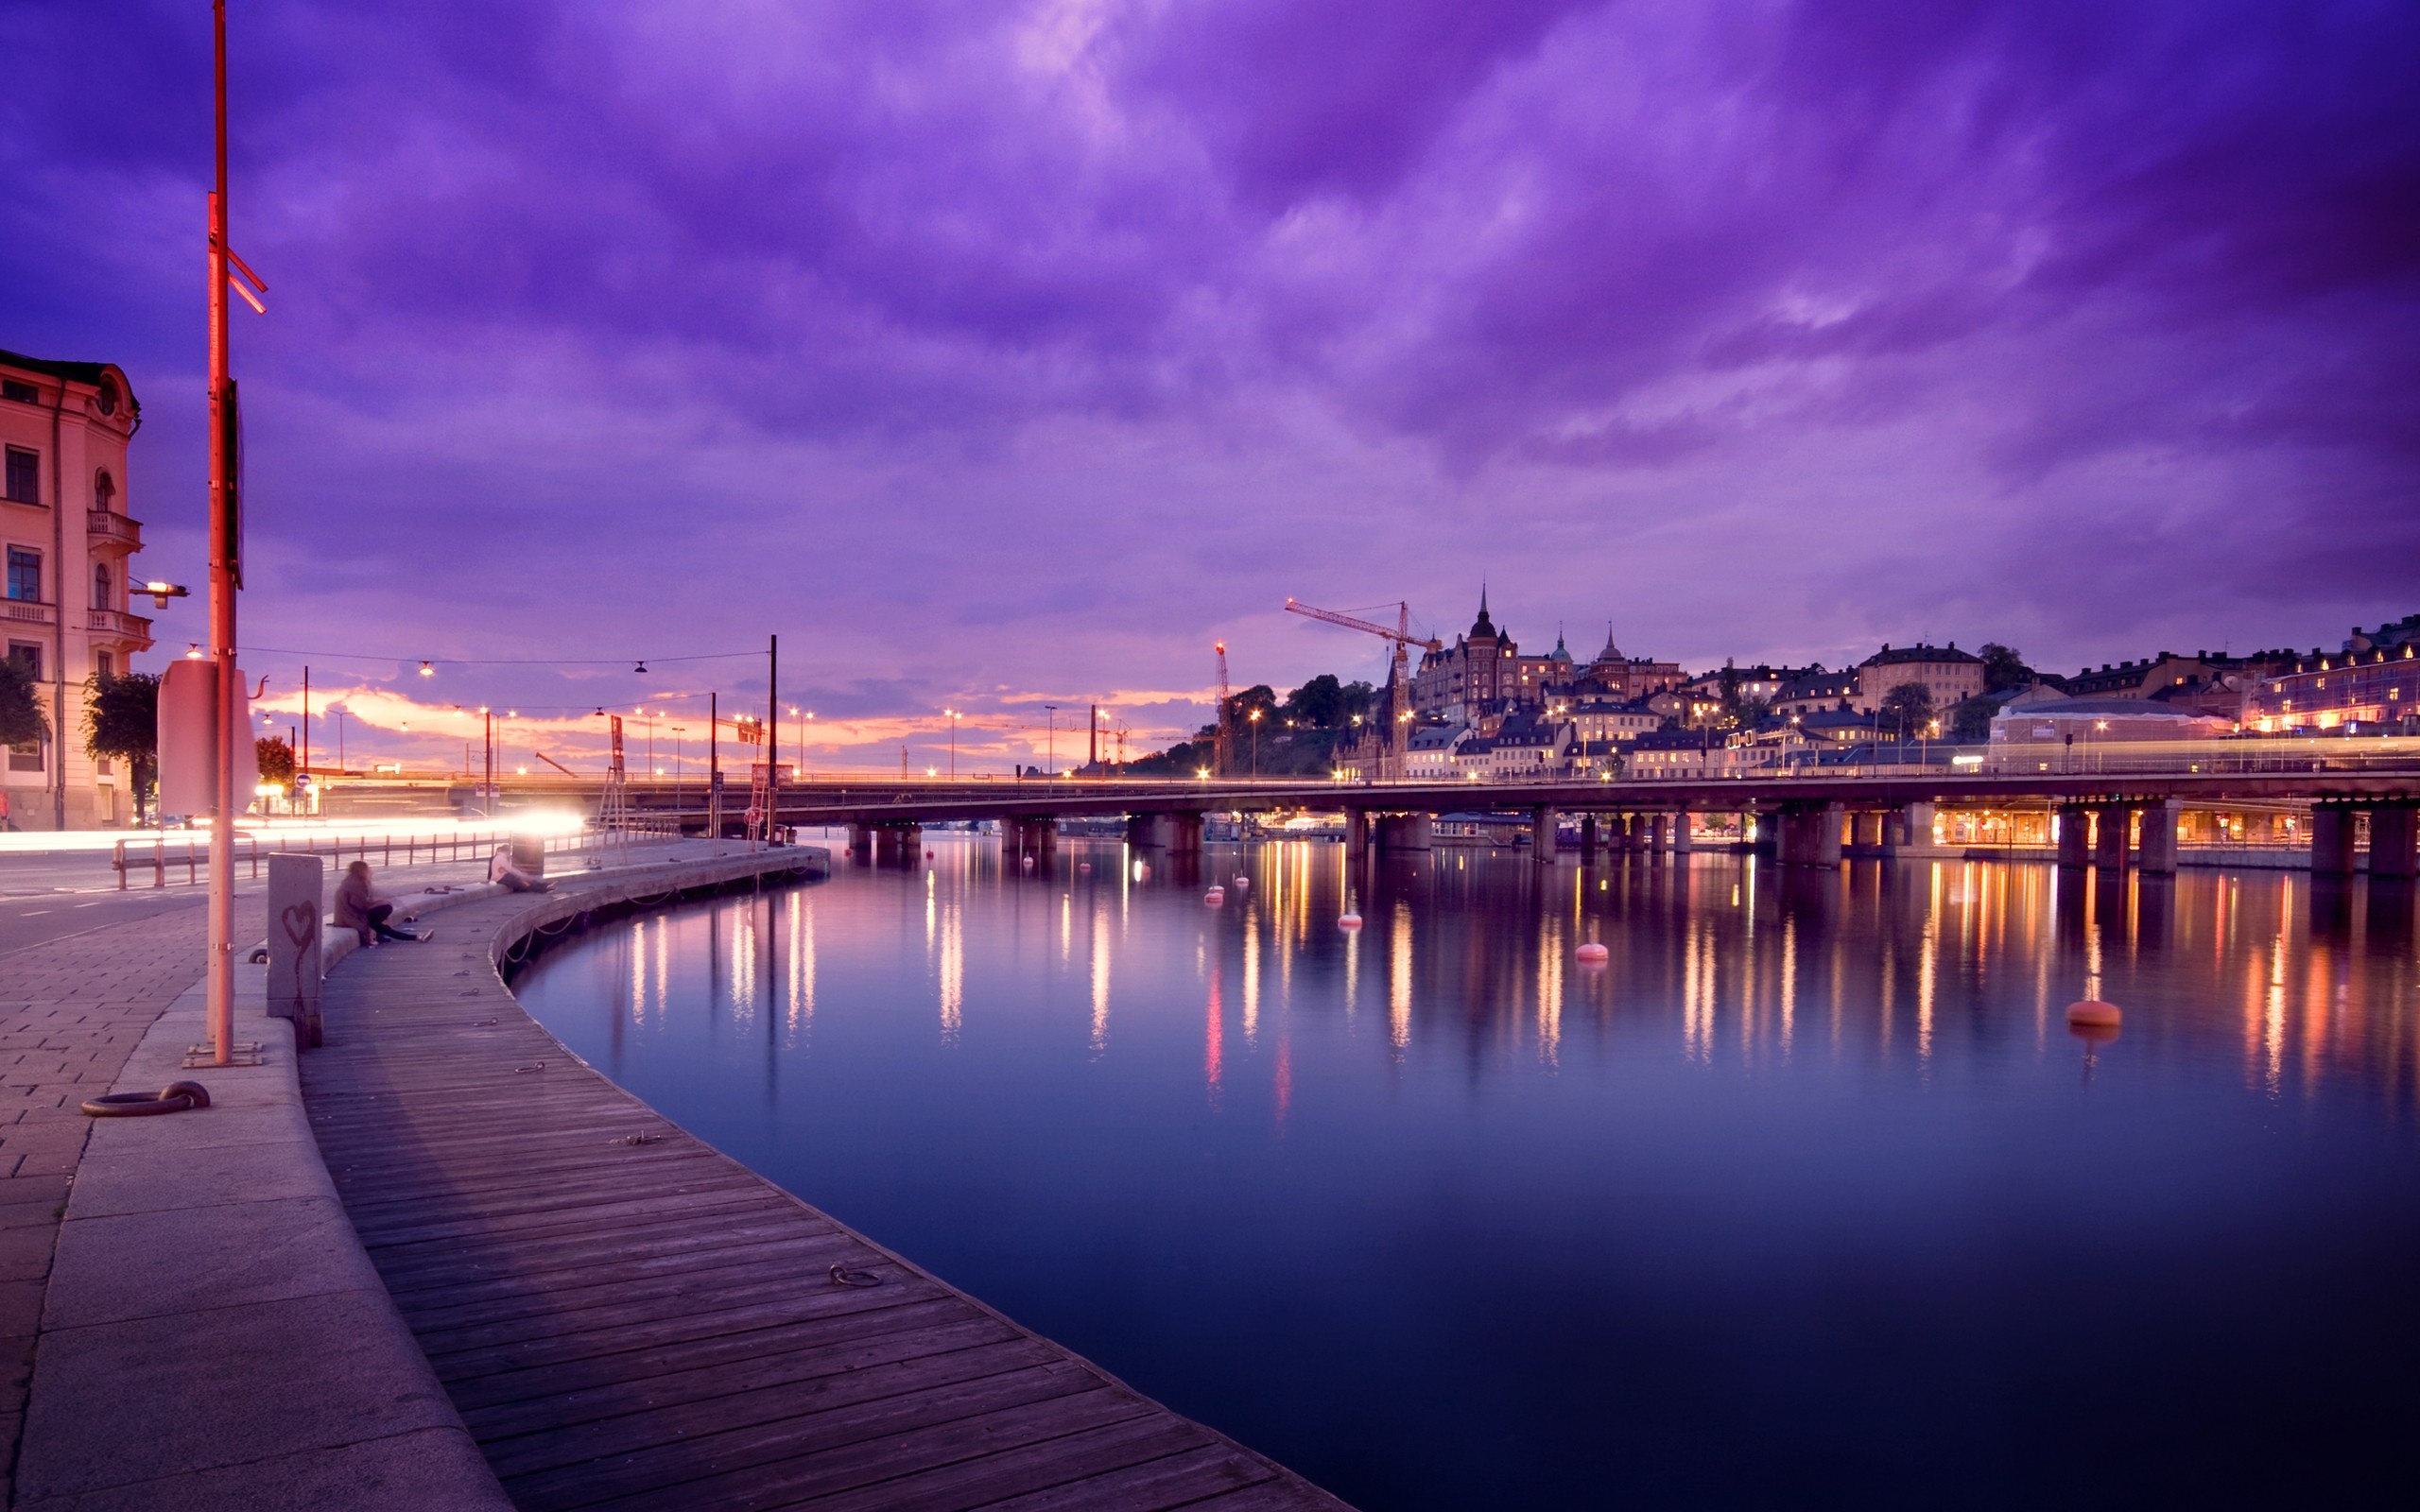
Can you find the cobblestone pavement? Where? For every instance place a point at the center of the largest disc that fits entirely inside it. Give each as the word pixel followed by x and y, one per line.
pixel 71 1011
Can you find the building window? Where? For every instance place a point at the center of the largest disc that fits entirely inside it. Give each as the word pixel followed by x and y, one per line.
pixel 105 662
pixel 19 392
pixel 104 489
pixel 27 757
pixel 25 575
pixel 25 476
pixel 101 586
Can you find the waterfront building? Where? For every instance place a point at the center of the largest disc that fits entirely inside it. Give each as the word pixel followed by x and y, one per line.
pixel 69 545
pixel 2045 734
pixel 1948 674
pixel 1428 755
pixel 1596 720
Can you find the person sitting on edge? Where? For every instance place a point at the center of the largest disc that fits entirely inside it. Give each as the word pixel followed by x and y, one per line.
pixel 511 878
pixel 360 909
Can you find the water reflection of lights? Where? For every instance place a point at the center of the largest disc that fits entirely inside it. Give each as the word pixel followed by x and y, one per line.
pixel 1399 976
pixel 1100 981
pixel 1252 976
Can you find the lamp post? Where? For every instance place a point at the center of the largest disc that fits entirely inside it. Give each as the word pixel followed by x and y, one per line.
pixel 1253 719
pixel 677 731
pixel 954 716
pixel 1051 750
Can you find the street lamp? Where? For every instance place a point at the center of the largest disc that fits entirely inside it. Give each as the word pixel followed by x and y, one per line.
pixel 954 716
pixel 1253 719
pixel 1051 749
pixel 161 592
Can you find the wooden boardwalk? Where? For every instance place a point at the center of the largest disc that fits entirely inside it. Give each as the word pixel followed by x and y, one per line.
pixel 650 1324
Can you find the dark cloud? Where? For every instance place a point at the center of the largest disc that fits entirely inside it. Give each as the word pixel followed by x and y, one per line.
pixel 1035 344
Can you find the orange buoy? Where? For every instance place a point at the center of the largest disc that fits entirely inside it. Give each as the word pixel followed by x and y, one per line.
pixel 1348 921
pixel 2094 1014
pixel 1593 953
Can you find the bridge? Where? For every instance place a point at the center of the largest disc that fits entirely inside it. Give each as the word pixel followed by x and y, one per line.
pixel 2348 794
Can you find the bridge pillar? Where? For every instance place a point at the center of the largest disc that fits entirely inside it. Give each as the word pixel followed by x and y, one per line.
pixel 1638 832
pixel 2075 835
pixel 2395 841
pixel 1404 831
pixel 2159 835
pixel 1587 838
pixel 1659 835
pixel 861 843
pixel 1543 821
pixel 2112 846
pixel 1871 827
pixel 1683 842
pixel 1357 833
pixel 899 840
pixel 2332 840
pixel 1810 834
pixel 1027 834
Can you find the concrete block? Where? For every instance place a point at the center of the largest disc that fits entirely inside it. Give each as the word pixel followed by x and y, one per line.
pixel 247 1171
pixel 173 1263
pixel 221 1386
pixel 408 1473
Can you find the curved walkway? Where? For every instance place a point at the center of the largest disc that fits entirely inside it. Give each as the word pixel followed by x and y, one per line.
pixel 627 1318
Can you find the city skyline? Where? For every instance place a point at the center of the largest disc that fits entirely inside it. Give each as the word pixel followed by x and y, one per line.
pixel 1030 349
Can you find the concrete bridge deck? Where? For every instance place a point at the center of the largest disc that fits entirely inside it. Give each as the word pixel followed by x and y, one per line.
pixel 652 1324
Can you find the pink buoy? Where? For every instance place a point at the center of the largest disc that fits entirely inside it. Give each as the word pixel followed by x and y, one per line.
pixel 2092 1013
pixel 1348 921
pixel 1593 953
pixel 1215 896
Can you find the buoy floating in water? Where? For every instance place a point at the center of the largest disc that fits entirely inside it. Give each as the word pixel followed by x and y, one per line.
pixel 1241 882
pixel 1216 894
pixel 1593 953
pixel 2091 1013
pixel 1083 866
pixel 1348 921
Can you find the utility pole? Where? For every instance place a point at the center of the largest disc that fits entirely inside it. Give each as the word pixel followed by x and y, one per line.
pixel 714 766
pixel 772 735
pixel 225 575
pixel 1050 773
pixel 303 752
pixel 1091 737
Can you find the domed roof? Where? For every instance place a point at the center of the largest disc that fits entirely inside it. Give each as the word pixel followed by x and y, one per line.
pixel 1610 652
pixel 1561 652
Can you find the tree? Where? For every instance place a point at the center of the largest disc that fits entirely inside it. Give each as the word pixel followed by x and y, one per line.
pixel 1358 698
pixel 1908 709
pixel 122 723
pixel 21 721
pixel 275 759
pixel 1970 719
pixel 1318 704
pixel 2003 668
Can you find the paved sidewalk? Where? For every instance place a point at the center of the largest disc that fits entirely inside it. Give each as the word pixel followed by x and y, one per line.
pixel 71 1012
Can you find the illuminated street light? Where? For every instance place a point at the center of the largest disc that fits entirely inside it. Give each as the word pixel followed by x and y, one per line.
pixel 427 671
pixel 161 592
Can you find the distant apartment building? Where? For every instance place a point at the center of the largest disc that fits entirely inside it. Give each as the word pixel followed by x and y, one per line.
pixel 1948 674
pixel 2372 684
pixel 1816 691
pixel 69 545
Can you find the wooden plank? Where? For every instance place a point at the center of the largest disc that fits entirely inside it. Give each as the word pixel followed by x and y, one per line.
pixel 655 1325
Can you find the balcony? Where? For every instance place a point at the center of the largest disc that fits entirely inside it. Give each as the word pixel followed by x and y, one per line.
pixel 27 612
pixel 119 625
pixel 109 530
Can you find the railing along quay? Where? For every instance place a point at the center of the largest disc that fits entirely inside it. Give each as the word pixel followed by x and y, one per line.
pixel 460 846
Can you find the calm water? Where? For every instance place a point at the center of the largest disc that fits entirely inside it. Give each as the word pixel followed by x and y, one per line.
pixel 1808 1196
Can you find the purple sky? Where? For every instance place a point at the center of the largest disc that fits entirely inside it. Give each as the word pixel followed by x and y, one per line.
pixel 995 351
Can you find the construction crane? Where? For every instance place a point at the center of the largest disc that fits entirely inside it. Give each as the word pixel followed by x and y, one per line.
pixel 1222 706
pixel 1398 677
